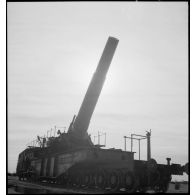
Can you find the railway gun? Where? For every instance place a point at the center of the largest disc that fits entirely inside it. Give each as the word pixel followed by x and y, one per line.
pixel 72 160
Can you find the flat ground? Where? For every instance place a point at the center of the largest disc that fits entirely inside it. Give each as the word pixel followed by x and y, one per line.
pixel 19 187
pixel 183 188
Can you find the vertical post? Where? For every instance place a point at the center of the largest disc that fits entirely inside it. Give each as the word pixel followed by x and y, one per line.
pixel 131 142
pixel 139 148
pixel 44 143
pixel 98 138
pixel 125 142
pixel 50 132
pixel 148 134
pixel 105 140
pixel 168 161
pixel 54 130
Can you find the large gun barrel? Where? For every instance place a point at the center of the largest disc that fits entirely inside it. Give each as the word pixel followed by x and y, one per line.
pixel 82 120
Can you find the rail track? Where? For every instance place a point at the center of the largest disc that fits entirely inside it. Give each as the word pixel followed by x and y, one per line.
pixel 25 187
pixel 28 187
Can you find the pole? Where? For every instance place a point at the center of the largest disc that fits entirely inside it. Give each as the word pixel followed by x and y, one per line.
pixel 55 131
pixel 148 134
pixel 131 142
pixel 50 132
pixel 139 148
pixel 125 142
pixel 44 142
pixel 105 139
pixel 98 138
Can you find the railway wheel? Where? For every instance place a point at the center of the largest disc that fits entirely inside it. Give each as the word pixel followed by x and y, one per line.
pixel 120 176
pixel 100 179
pixel 164 187
pixel 59 180
pixel 86 179
pixel 142 189
pixel 154 178
pixel 114 180
pixel 129 181
pixel 33 177
pixel 92 179
pixel 82 179
pixel 64 179
pixel 163 184
pixel 78 180
pixel 72 179
pixel 28 176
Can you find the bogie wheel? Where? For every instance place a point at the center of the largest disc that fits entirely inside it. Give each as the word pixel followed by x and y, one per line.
pixel 100 179
pixel 163 185
pixel 61 179
pixel 58 180
pixel 120 177
pixel 73 179
pixel 78 180
pixel 142 190
pixel 160 188
pixel 114 180
pixel 155 178
pixel 65 179
pixel 33 177
pixel 157 188
pixel 82 179
pixel 86 179
pixel 129 181
pixel 92 179
pixel 69 180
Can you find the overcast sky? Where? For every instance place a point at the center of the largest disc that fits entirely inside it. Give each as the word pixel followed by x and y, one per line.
pixel 53 51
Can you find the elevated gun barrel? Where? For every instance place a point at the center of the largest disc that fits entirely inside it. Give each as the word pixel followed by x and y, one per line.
pixel 82 120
